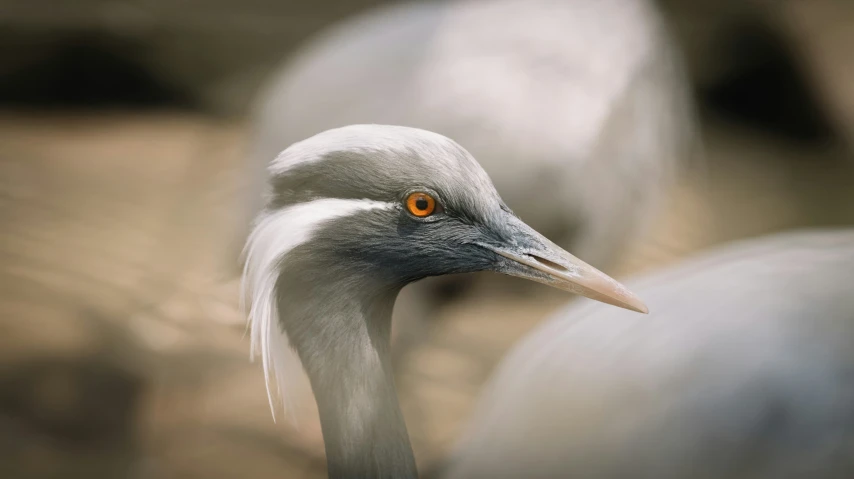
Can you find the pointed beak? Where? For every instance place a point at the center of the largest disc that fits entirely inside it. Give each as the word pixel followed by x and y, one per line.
pixel 529 255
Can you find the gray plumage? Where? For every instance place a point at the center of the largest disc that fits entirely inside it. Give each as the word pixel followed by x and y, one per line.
pixel 743 369
pixel 336 243
pixel 582 102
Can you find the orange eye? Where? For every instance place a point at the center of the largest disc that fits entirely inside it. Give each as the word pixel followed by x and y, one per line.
pixel 420 204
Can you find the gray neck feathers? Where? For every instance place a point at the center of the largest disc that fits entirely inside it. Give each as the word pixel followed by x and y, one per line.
pixel 340 328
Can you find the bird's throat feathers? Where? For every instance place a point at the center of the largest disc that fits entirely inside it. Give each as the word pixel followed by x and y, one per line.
pixel 306 318
pixel 313 322
pixel 277 236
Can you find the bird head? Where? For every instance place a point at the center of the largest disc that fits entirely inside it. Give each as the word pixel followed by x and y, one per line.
pixel 389 205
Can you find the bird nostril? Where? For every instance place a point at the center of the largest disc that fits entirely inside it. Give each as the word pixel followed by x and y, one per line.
pixel 550 264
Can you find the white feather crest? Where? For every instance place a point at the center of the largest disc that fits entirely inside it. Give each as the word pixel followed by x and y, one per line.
pixel 273 236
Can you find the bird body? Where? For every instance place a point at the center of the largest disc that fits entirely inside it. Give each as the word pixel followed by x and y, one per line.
pixel 355 214
pixel 743 369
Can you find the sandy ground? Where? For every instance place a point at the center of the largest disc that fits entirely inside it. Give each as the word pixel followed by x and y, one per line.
pixel 123 354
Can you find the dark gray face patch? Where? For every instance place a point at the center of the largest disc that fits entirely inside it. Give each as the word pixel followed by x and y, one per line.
pixel 391 248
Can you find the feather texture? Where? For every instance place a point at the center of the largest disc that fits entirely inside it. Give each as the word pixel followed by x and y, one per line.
pixel 274 235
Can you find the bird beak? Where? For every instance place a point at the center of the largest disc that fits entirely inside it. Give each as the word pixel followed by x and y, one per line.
pixel 532 256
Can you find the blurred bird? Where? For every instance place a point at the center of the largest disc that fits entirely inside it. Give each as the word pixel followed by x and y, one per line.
pixel 354 215
pixel 744 369
pixel 578 110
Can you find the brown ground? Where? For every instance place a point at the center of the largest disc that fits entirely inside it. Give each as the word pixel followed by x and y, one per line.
pixel 122 353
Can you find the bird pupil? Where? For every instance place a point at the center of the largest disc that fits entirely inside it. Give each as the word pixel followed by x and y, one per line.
pixel 421 203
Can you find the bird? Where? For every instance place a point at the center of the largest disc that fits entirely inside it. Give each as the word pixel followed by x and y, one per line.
pixel 352 215
pixel 584 102
pixel 742 369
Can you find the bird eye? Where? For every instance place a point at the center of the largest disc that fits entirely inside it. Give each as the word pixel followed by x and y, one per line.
pixel 420 204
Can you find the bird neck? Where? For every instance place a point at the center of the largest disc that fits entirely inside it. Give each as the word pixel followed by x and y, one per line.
pixel 347 358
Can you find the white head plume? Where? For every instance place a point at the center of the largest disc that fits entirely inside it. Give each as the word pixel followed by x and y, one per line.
pixel 273 236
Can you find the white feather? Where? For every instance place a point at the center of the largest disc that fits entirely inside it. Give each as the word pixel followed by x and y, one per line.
pixel 273 236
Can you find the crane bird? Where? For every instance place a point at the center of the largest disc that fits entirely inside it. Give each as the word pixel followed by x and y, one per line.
pixel 582 101
pixel 353 215
pixel 744 369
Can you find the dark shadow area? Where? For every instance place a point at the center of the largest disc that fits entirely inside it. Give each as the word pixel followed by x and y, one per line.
pixel 81 72
pixel 767 89
pixel 68 418
pixel 81 401
pixel 74 415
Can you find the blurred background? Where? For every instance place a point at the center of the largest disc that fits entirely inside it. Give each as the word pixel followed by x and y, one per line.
pixel 123 136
